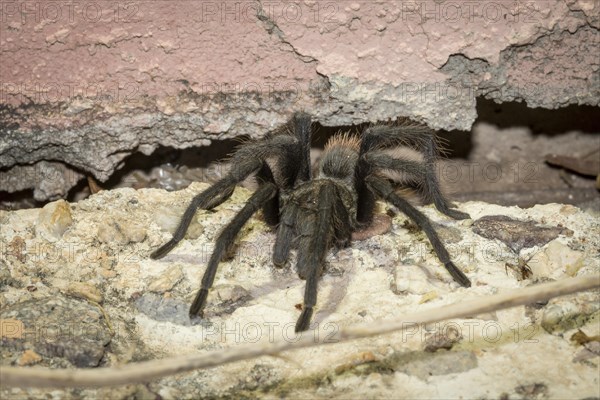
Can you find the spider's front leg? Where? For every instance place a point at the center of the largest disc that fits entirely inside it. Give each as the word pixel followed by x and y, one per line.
pixel 293 166
pixel 312 251
pixel 227 236
pixel 285 235
pixel 247 160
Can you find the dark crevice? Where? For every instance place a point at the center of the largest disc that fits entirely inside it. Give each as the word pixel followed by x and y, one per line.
pixel 18 200
pixel 541 121
pixel 174 169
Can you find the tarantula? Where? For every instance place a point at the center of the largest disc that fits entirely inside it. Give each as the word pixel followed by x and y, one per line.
pixel 317 213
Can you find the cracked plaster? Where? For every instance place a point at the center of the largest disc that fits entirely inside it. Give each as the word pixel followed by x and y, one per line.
pixel 88 89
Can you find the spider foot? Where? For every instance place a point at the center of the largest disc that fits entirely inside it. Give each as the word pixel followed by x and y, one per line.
pixel 279 261
pixel 455 214
pixel 163 250
pixel 199 303
pixel 457 274
pixel 304 320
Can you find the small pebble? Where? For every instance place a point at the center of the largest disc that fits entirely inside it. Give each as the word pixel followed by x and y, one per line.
pixel 428 297
pixel 84 290
pixel 357 359
pixel 444 339
pixel 29 357
pixel 53 220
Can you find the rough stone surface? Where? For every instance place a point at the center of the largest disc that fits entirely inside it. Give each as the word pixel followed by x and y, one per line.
pixel 506 353
pixel 56 327
pixel 505 158
pixel 516 234
pixel 221 70
pixel 50 180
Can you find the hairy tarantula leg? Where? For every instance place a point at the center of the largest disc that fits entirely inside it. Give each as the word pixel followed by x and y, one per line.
pixel 384 161
pixel 301 123
pixel 373 138
pixel 341 222
pixel 226 238
pixel 432 185
pixel 294 165
pixel 420 172
pixel 211 197
pixel 271 208
pixel 285 235
pixel 311 260
pixel 365 204
pixel 385 136
pixel 246 160
pixel 421 136
pixel 386 191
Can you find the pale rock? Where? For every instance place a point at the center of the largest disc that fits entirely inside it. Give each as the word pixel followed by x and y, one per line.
pixel 122 232
pixel 539 264
pixel 167 280
pixel 562 315
pixel 53 220
pixel 415 279
pixel 168 217
pixel 561 259
pixel 134 233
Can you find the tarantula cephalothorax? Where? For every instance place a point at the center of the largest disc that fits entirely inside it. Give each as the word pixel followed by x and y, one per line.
pixel 313 214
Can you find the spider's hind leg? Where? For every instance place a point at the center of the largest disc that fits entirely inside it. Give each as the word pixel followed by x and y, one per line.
pixel 424 140
pixel 432 186
pixel 386 191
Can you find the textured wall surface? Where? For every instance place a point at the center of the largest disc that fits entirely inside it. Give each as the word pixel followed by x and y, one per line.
pixel 87 84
